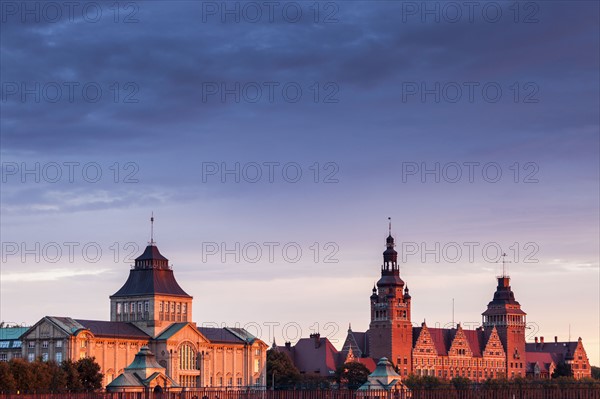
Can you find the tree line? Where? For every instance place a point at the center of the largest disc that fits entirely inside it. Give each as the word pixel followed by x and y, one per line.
pixel 20 376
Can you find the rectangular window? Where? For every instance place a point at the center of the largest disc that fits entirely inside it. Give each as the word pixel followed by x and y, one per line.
pixel 17 355
pixel 221 381
pixel 45 357
pixel 58 357
pixel 125 307
pixel 146 306
pixel 3 357
pixel 31 357
pixel 132 307
pixel 239 381
pixel 59 344
pixel 118 308
pixel 256 365
pixel 257 352
pixel 160 306
pixel 31 344
pixel 172 307
pixel 178 308
pixel 45 344
pixel 139 307
pixel 4 344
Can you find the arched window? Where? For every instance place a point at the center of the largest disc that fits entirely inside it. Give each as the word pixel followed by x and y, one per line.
pixel 187 357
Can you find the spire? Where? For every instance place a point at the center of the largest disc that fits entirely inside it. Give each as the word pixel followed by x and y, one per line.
pixel 390 256
pixel 152 230
pixel 504 267
pixel 389 242
pixel 349 327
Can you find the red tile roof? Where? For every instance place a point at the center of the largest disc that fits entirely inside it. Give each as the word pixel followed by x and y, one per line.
pixel 442 339
pixel 368 362
pixel 476 341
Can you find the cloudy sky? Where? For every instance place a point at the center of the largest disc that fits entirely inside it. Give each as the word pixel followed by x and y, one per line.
pixel 272 140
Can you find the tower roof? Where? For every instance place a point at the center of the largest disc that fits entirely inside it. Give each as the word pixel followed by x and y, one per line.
pixel 151 275
pixel 502 298
pixel 151 252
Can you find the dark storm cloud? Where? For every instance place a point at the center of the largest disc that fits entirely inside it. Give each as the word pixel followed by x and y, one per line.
pixel 170 53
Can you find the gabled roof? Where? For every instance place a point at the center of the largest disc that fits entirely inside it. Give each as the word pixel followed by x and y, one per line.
pixel 315 355
pixel 358 342
pixel 171 330
pixel 442 339
pixel 67 324
pixel 115 329
pixel 476 341
pixel 543 360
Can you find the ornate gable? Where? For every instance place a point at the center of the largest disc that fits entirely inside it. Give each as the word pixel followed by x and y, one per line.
pixel 350 344
pixel 424 345
pixel 179 332
pixel 460 345
pixel 493 347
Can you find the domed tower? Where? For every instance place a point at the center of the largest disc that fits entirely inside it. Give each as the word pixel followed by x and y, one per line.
pixel 390 330
pixel 505 313
pixel 151 298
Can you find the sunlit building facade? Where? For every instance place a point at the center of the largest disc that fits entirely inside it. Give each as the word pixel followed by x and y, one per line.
pixel 151 309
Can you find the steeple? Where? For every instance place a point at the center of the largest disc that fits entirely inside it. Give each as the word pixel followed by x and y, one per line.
pixel 390 256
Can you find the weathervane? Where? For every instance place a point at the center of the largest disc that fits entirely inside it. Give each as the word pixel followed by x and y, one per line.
pixel 390 225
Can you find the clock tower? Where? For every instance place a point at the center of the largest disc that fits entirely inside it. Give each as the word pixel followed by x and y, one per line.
pixel 390 330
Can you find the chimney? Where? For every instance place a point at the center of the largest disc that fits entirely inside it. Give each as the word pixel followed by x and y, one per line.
pixel 317 338
pixel 541 342
pixel 555 340
pixel 536 340
pixel 288 345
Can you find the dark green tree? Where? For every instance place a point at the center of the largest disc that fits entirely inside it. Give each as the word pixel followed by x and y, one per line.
pixel 286 374
pixel 424 382
pixel 72 381
pixel 352 375
pixel 7 382
pixel 562 370
pixel 89 374
pixel 315 382
pixel 461 382
pixel 58 378
pixel 596 372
